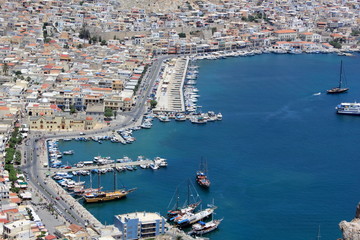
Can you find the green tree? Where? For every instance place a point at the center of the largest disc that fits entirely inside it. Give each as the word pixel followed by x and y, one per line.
pixel 182 35
pixel 94 39
pixel 84 33
pixel 153 103
pixel 108 112
pixel 103 42
pixel 72 109
pixel 335 43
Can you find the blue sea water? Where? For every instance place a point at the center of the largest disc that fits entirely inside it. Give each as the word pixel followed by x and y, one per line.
pixel 281 161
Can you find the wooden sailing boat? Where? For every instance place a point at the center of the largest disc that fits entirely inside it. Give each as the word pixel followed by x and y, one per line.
pixel 102 196
pixel 340 88
pixel 187 207
pixel 201 175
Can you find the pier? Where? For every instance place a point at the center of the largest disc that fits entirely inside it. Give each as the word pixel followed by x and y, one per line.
pixel 169 94
pixel 111 165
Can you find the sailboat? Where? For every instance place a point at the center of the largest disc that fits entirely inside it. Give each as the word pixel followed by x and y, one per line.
pixel 339 89
pixel 188 207
pixel 201 175
pixel 102 196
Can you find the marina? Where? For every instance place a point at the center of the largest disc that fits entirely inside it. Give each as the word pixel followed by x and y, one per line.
pixel 156 142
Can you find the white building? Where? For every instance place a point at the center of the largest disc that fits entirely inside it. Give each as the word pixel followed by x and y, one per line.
pixel 140 225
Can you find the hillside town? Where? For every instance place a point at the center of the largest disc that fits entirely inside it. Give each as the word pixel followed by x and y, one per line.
pixel 78 65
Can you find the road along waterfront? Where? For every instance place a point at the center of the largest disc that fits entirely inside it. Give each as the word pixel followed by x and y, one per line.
pixel 35 146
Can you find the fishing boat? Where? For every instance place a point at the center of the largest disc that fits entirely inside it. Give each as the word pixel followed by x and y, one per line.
pixel 201 175
pixel 340 88
pixel 348 108
pixel 104 196
pixel 200 228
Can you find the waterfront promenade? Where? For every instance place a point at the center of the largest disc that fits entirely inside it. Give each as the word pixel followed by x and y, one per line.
pixel 169 94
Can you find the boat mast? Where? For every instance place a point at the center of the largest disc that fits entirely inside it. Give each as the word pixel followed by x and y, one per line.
pixel 188 200
pixel 177 198
pixel 114 181
pixel 90 181
pixel 319 236
pixel 98 179
pixel 340 74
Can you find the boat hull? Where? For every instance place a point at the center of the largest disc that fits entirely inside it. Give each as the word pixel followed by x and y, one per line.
pixel 109 196
pixel 356 113
pixel 337 90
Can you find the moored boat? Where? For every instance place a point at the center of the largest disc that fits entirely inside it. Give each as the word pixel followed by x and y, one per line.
pixel 106 196
pixel 201 175
pixel 191 218
pixel 201 228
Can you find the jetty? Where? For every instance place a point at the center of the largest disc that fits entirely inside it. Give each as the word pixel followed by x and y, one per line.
pixel 169 94
pixel 111 165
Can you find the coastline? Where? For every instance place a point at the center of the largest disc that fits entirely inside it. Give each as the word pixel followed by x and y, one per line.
pixel 131 124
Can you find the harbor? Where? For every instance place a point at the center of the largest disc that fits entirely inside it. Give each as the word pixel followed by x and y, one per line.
pixel 243 202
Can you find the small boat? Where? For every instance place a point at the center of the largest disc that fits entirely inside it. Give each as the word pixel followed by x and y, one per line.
pixel 154 166
pixel 69 152
pixel 144 166
pixel 129 168
pixel 180 117
pixel 200 228
pixel 339 89
pixel 164 118
pixel 219 116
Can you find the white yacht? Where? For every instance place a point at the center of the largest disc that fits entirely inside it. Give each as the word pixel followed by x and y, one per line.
pixel 348 108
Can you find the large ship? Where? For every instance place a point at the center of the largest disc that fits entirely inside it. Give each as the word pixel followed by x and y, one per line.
pixel 106 196
pixel 348 108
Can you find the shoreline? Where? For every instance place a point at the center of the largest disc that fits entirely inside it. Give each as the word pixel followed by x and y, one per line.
pixel 102 130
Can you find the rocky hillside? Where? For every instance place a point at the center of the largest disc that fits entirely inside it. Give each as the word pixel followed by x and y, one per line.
pixel 351 230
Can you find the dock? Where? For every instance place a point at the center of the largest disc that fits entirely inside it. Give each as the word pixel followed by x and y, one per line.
pixel 169 94
pixel 111 165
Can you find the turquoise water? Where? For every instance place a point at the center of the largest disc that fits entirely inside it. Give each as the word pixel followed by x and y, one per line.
pixel 281 162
